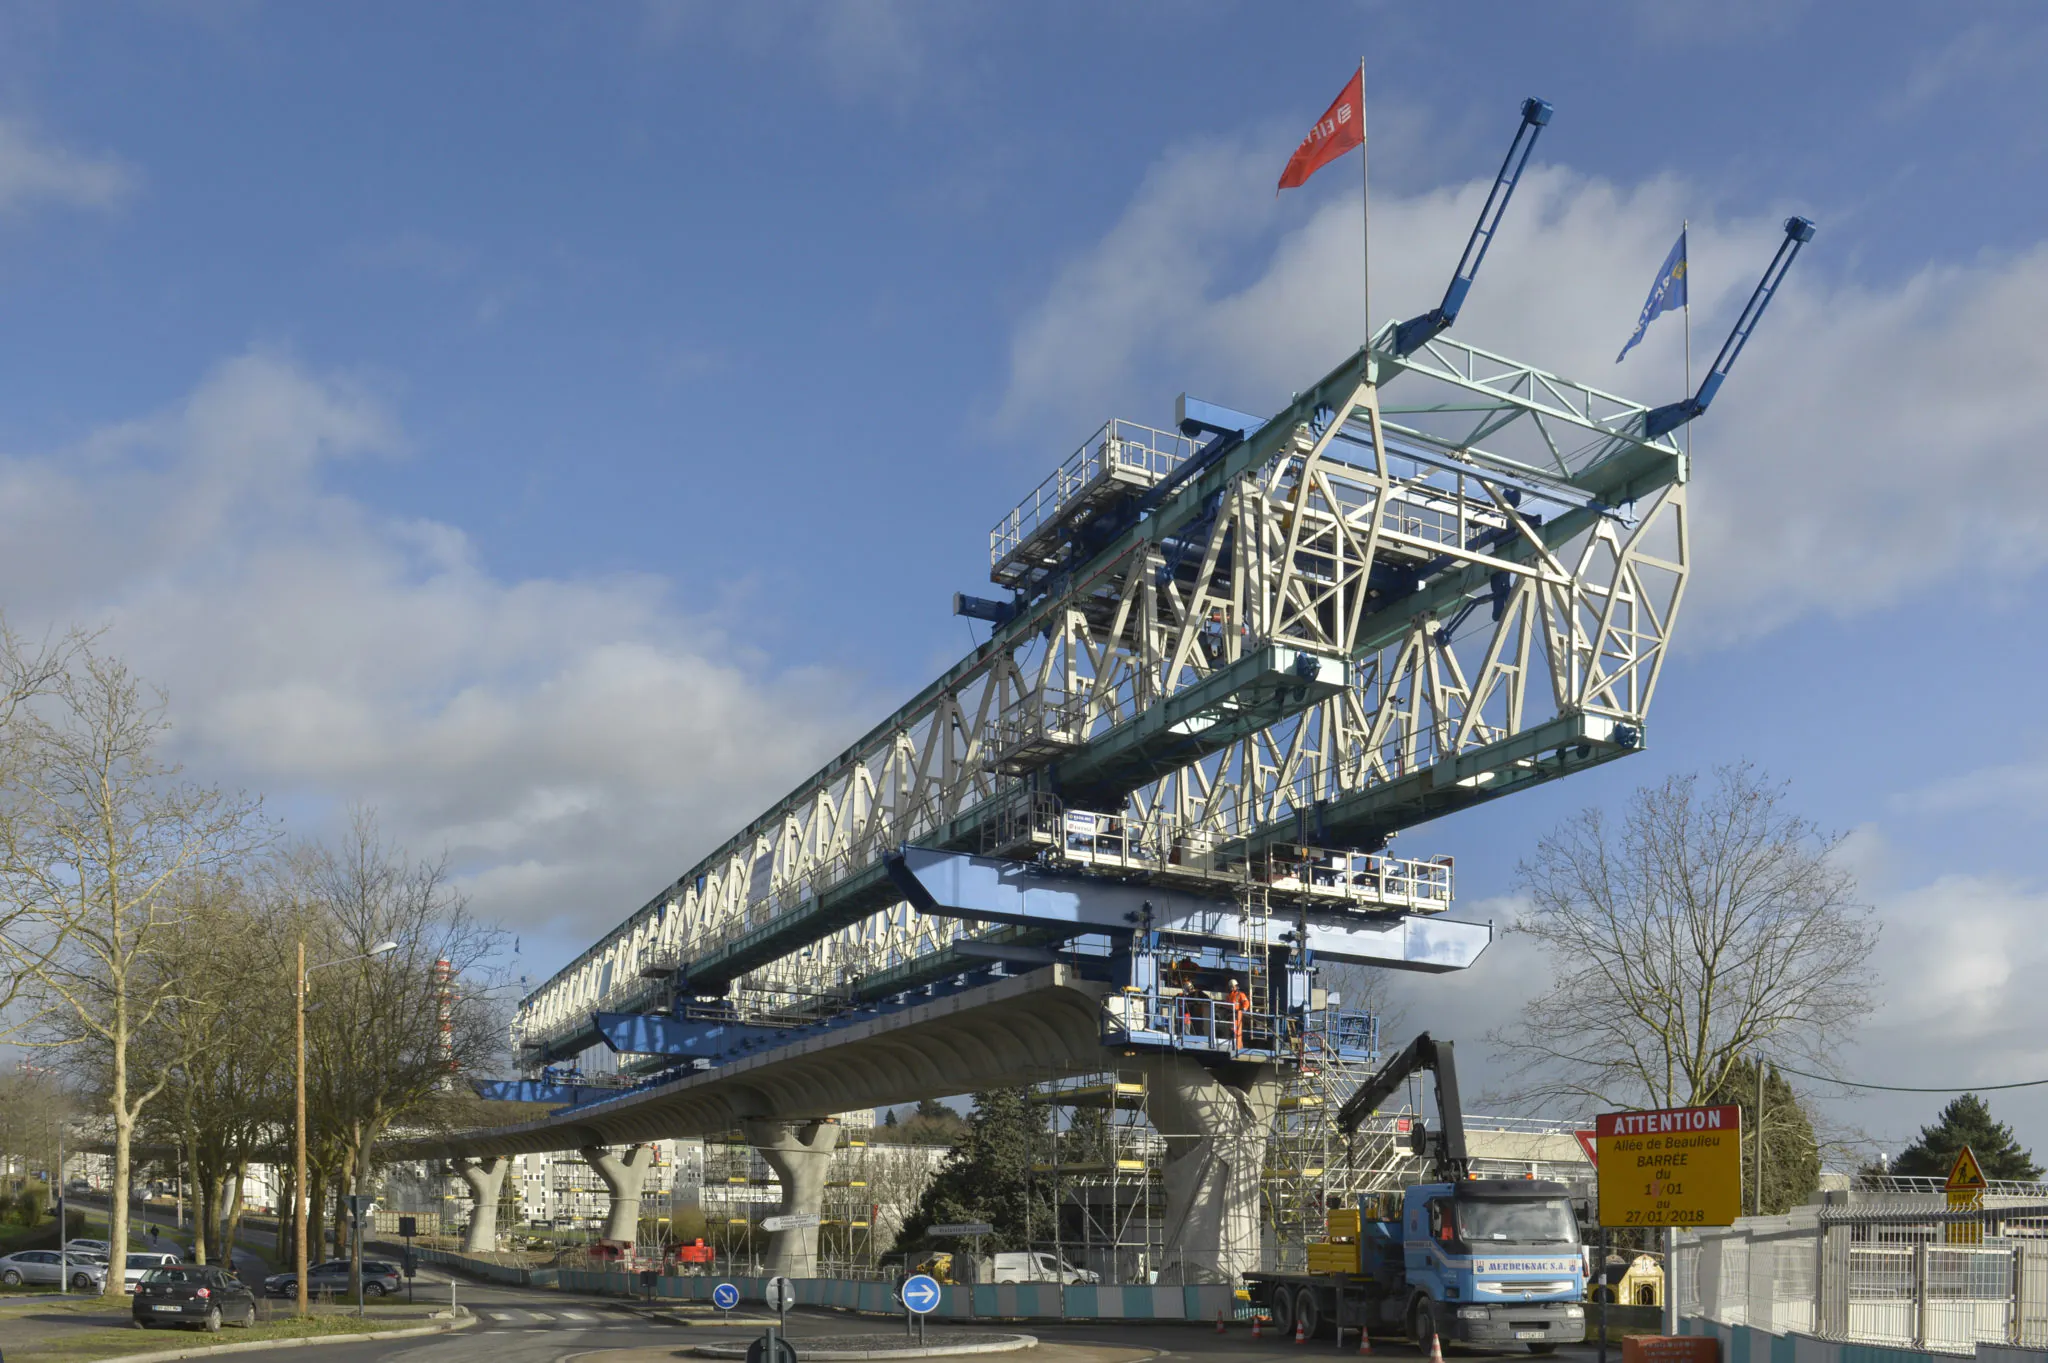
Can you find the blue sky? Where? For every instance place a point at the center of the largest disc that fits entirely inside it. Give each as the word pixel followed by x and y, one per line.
pixel 560 426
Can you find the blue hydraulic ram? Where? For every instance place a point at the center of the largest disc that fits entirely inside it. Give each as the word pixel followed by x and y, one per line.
pixel 1417 332
pixel 1660 421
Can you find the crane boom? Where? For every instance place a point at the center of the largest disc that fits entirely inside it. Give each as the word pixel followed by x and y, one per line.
pixel 1423 1053
pixel 1417 332
pixel 1663 420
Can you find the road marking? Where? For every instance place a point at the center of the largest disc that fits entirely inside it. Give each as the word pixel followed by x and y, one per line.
pixel 503 1315
pixel 578 1315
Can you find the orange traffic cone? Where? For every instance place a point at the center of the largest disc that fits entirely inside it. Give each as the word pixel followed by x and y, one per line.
pixel 1219 1322
pixel 1364 1343
pixel 1436 1348
pixel 1299 1337
pixel 1256 1319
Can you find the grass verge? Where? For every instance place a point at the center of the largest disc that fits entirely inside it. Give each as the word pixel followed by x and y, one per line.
pixel 86 1345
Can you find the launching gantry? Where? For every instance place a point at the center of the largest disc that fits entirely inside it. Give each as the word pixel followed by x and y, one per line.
pixel 1237 656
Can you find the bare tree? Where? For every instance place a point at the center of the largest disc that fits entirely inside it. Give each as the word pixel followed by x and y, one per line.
pixel 102 838
pixel 26 672
pixel 1711 926
pixel 228 1059
pixel 392 1033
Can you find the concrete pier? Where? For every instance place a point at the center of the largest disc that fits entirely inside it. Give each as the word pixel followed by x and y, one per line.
pixel 1217 1122
pixel 800 1153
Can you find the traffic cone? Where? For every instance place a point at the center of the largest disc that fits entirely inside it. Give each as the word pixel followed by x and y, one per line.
pixel 1300 1338
pixel 1219 1322
pixel 1256 1318
pixel 1364 1343
pixel 1436 1348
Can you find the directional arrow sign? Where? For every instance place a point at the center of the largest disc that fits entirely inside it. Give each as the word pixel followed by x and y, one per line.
pixel 725 1296
pixel 921 1293
pixel 964 1228
pixel 802 1221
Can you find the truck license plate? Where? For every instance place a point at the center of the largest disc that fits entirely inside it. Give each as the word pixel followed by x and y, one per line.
pixel 1530 1334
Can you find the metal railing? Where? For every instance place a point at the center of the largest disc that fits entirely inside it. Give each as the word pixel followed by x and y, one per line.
pixel 1119 452
pixel 1909 1278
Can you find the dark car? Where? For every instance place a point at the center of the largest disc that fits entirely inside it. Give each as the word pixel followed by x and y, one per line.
pixel 379 1279
pixel 193 1294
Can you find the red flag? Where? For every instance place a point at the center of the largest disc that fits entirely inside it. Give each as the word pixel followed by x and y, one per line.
pixel 1336 132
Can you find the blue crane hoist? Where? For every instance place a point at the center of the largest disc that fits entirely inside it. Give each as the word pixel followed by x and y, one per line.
pixel 1663 420
pixel 1417 332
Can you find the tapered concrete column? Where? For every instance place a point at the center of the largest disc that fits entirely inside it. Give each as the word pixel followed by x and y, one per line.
pixel 486 1179
pixel 1216 1123
pixel 800 1153
pixel 622 1177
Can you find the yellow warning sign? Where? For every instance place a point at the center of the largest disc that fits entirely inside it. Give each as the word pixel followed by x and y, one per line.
pixel 1672 1167
pixel 1967 1176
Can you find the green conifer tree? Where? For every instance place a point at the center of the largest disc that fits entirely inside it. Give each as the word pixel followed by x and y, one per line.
pixel 1791 1170
pixel 1968 1121
pixel 987 1177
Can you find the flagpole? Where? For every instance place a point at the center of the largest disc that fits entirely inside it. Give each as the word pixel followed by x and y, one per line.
pixel 1684 232
pixel 1364 204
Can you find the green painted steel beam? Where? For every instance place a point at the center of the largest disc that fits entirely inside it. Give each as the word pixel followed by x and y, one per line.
pixel 1233 702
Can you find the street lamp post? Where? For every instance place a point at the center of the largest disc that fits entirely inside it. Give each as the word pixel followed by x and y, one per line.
pixel 299 1103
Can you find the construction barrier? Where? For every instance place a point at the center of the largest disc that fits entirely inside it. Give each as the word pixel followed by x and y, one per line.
pixel 982 1301
pixel 1747 1344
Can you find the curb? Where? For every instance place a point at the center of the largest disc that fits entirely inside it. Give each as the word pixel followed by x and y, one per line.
pixel 203 1351
pixel 1000 1344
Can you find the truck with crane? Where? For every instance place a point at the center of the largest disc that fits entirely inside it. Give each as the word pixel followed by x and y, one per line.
pixel 1456 1259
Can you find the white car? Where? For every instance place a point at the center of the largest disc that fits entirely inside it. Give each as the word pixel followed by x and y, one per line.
pixel 139 1264
pixel 43 1266
pixel 98 1247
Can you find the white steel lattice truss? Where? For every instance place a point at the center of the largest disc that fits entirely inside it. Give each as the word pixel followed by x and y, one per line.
pixel 1458 464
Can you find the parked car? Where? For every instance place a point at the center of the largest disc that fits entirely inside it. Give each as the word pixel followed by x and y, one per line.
pixel 379 1278
pixel 139 1264
pixel 98 1247
pixel 189 1294
pixel 1037 1266
pixel 44 1266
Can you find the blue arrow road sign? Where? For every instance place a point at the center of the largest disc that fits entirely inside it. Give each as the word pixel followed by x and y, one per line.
pixel 921 1293
pixel 725 1296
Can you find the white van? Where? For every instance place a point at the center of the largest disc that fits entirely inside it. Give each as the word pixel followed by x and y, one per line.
pixel 1037 1266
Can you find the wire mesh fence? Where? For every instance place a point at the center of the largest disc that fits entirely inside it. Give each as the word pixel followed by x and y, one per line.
pixel 1904 1276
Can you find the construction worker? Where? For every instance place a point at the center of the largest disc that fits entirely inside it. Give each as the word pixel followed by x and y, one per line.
pixel 1240 1003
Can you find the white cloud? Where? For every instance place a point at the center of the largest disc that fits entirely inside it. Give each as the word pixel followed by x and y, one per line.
pixel 1851 461
pixel 34 171
pixel 572 743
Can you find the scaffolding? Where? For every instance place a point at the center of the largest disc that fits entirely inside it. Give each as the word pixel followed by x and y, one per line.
pixel 1096 1196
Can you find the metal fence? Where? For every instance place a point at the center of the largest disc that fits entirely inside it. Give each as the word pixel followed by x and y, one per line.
pixel 1870 1273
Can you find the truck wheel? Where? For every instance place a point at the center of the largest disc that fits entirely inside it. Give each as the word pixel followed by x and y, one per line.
pixel 1422 1327
pixel 1309 1312
pixel 1283 1311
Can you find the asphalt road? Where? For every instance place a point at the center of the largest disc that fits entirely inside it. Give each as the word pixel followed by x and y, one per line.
pixel 520 1325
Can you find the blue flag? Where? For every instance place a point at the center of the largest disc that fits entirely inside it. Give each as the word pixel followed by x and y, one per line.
pixel 1667 293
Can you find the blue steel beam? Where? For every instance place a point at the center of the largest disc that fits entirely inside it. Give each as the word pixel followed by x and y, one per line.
pixel 535 1091
pixel 983 889
pixel 653 1034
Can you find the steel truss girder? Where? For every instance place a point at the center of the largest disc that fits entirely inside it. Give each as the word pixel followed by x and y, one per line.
pixel 1297 538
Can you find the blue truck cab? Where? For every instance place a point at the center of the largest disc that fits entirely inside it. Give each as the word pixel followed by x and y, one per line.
pixel 1458 1258
pixel 1491 1261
